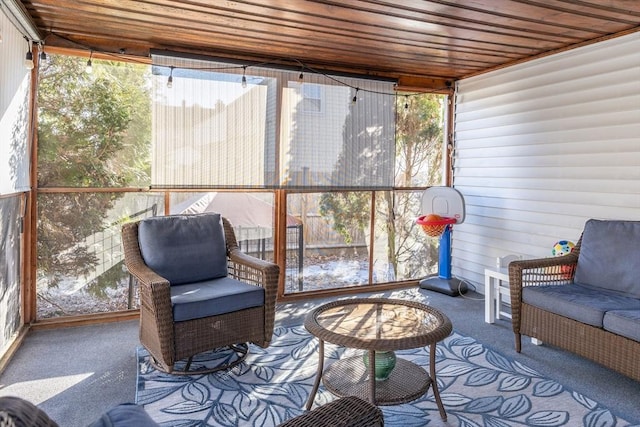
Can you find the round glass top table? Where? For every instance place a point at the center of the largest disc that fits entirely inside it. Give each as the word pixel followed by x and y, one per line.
pixel 380 326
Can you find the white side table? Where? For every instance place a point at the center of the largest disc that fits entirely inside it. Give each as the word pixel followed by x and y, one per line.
pixel 496 290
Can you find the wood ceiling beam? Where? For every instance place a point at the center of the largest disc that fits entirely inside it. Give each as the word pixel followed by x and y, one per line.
pixel 441 39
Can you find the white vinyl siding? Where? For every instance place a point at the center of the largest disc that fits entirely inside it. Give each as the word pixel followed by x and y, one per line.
pixel 543 146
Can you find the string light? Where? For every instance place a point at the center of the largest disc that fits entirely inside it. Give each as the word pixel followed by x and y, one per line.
pixel 447 87
pixel 244 70
pixel 89 68
pixel 43 55
pixel 406 102
pixel 28 59
pixel 170 79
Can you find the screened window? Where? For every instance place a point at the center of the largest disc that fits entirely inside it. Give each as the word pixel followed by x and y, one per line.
pixel 80 257
pixel 10 263
pixel 356 238
pixel 93 128
pixel 347 154
pixel 216 126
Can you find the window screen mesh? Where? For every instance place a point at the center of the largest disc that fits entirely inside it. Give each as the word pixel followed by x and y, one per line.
pixel 10 280
pixel 275 131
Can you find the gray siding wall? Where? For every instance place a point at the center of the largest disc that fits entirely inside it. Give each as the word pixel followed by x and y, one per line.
pixel 543 146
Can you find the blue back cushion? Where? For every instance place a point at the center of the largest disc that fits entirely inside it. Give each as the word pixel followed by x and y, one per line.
pixel 184 248
pixel 610 256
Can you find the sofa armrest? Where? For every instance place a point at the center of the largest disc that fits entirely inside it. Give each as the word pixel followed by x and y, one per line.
pixel 348 411
pixel 542 271
pixel 538 272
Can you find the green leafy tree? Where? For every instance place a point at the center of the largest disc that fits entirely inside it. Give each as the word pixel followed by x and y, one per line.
pixel 419 139
pixel 418 156
pixel 93 132
pixel 362 163
pixel 350 211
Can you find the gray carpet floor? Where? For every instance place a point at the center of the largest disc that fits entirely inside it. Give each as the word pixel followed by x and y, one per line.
pixel 76 374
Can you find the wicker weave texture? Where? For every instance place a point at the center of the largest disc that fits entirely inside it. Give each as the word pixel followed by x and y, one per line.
pixel 378 324
pixel 611 350
pixel 169 342
pixel 345 412
pixel 17 412
pixel 349 377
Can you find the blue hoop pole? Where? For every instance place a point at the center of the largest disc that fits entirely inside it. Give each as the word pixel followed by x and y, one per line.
pixel 444 260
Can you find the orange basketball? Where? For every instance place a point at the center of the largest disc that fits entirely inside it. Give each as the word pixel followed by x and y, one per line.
pixel 433 225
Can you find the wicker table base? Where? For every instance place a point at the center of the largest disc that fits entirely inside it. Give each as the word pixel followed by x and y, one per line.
pixel 377 324
pixel 349 377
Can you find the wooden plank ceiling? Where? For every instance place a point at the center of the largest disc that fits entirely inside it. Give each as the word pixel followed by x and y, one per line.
pixel 415 40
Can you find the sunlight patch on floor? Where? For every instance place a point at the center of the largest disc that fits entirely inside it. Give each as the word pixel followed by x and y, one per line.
pixel 43 389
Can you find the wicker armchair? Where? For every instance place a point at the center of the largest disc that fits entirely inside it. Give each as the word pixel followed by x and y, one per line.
pixel 176 323
pixel 347 411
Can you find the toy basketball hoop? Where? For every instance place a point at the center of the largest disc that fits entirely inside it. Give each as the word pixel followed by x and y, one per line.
pixel 434 227
pixel 444 207
pixel 446 202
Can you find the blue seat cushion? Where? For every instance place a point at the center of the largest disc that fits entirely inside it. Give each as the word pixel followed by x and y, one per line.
pixel 184 248
pixel 624 322
pixel 213 297
pixel 582 303
pixel 125 415
pixel 610 256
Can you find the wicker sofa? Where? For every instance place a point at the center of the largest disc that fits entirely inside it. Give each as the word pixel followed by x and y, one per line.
pixel 586 302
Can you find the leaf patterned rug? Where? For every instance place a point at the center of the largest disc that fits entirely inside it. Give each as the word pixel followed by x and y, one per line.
pixel 478 386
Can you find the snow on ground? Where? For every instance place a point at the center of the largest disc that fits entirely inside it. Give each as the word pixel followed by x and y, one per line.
pixel 320 272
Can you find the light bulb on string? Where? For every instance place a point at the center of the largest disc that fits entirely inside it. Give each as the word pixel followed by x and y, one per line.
pixel 244 76
pixel 28 59
pixel 89 68
pixel 170 79
pixel 355 97
pixel 301 76
pixel 406 102
pixel 43 55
